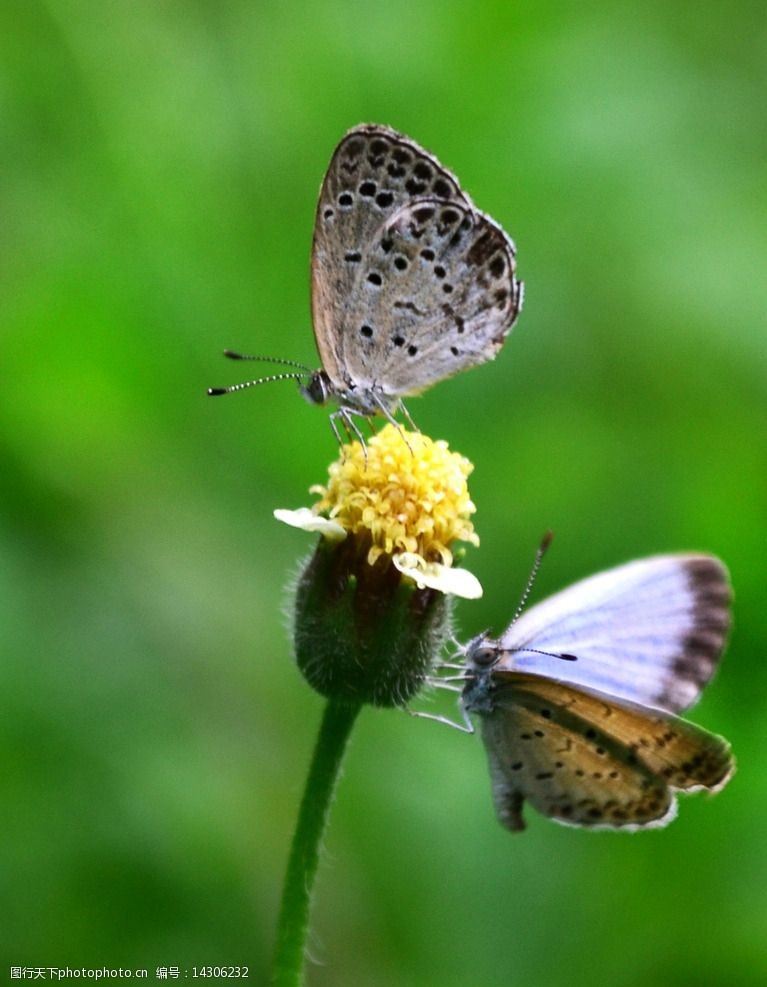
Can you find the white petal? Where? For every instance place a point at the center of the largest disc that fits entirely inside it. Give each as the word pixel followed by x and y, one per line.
pixel 459 582
pixel 309 521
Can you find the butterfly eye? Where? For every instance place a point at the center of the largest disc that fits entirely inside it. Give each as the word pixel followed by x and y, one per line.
pixel 483 656
pixel 316 391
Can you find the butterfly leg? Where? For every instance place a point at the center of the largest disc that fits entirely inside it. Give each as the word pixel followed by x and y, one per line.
pixel 333 416
pixel 444 684
pixel 392 420
pixel 466 727
pixel 460 649
pixel 350 427
pixel 408 418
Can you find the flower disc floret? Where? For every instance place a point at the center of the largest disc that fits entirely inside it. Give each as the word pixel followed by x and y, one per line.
pixel 407 492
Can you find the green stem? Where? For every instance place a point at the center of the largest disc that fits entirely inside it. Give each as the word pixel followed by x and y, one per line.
pixel 293 923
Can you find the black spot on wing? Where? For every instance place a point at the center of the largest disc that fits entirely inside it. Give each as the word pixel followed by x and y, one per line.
pixel 482 248
pixel 409 306
pixel 498 265
pixel 424 213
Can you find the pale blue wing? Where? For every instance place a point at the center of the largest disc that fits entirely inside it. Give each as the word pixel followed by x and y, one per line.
pixel 650 631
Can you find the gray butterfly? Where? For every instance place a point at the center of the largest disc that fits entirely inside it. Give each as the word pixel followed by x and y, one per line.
pixel 577 698
pixel 411 283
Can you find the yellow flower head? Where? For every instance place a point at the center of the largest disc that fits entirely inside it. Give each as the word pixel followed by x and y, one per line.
pixel 407 495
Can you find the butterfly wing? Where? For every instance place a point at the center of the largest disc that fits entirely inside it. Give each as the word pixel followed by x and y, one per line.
pixel 650 632
pixel 410 283
pixel 588 759
pixel 437 295
pixel 374 171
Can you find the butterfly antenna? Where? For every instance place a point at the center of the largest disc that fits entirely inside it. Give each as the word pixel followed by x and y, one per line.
pixel 215 391
pixel 564 655
pixel 231 355
pixel 542 549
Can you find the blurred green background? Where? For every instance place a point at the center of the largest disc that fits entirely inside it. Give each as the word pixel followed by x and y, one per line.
pixel 162 162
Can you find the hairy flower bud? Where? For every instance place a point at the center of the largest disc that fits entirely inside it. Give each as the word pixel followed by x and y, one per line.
pixel 373 603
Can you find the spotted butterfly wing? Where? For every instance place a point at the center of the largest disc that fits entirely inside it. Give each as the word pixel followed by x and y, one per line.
pixel 585 758
pixel 410 283
pixel 595 742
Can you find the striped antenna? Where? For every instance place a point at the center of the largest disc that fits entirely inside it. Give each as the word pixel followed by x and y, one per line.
pixel 542 549
pixel 215 391
pixel 231 355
